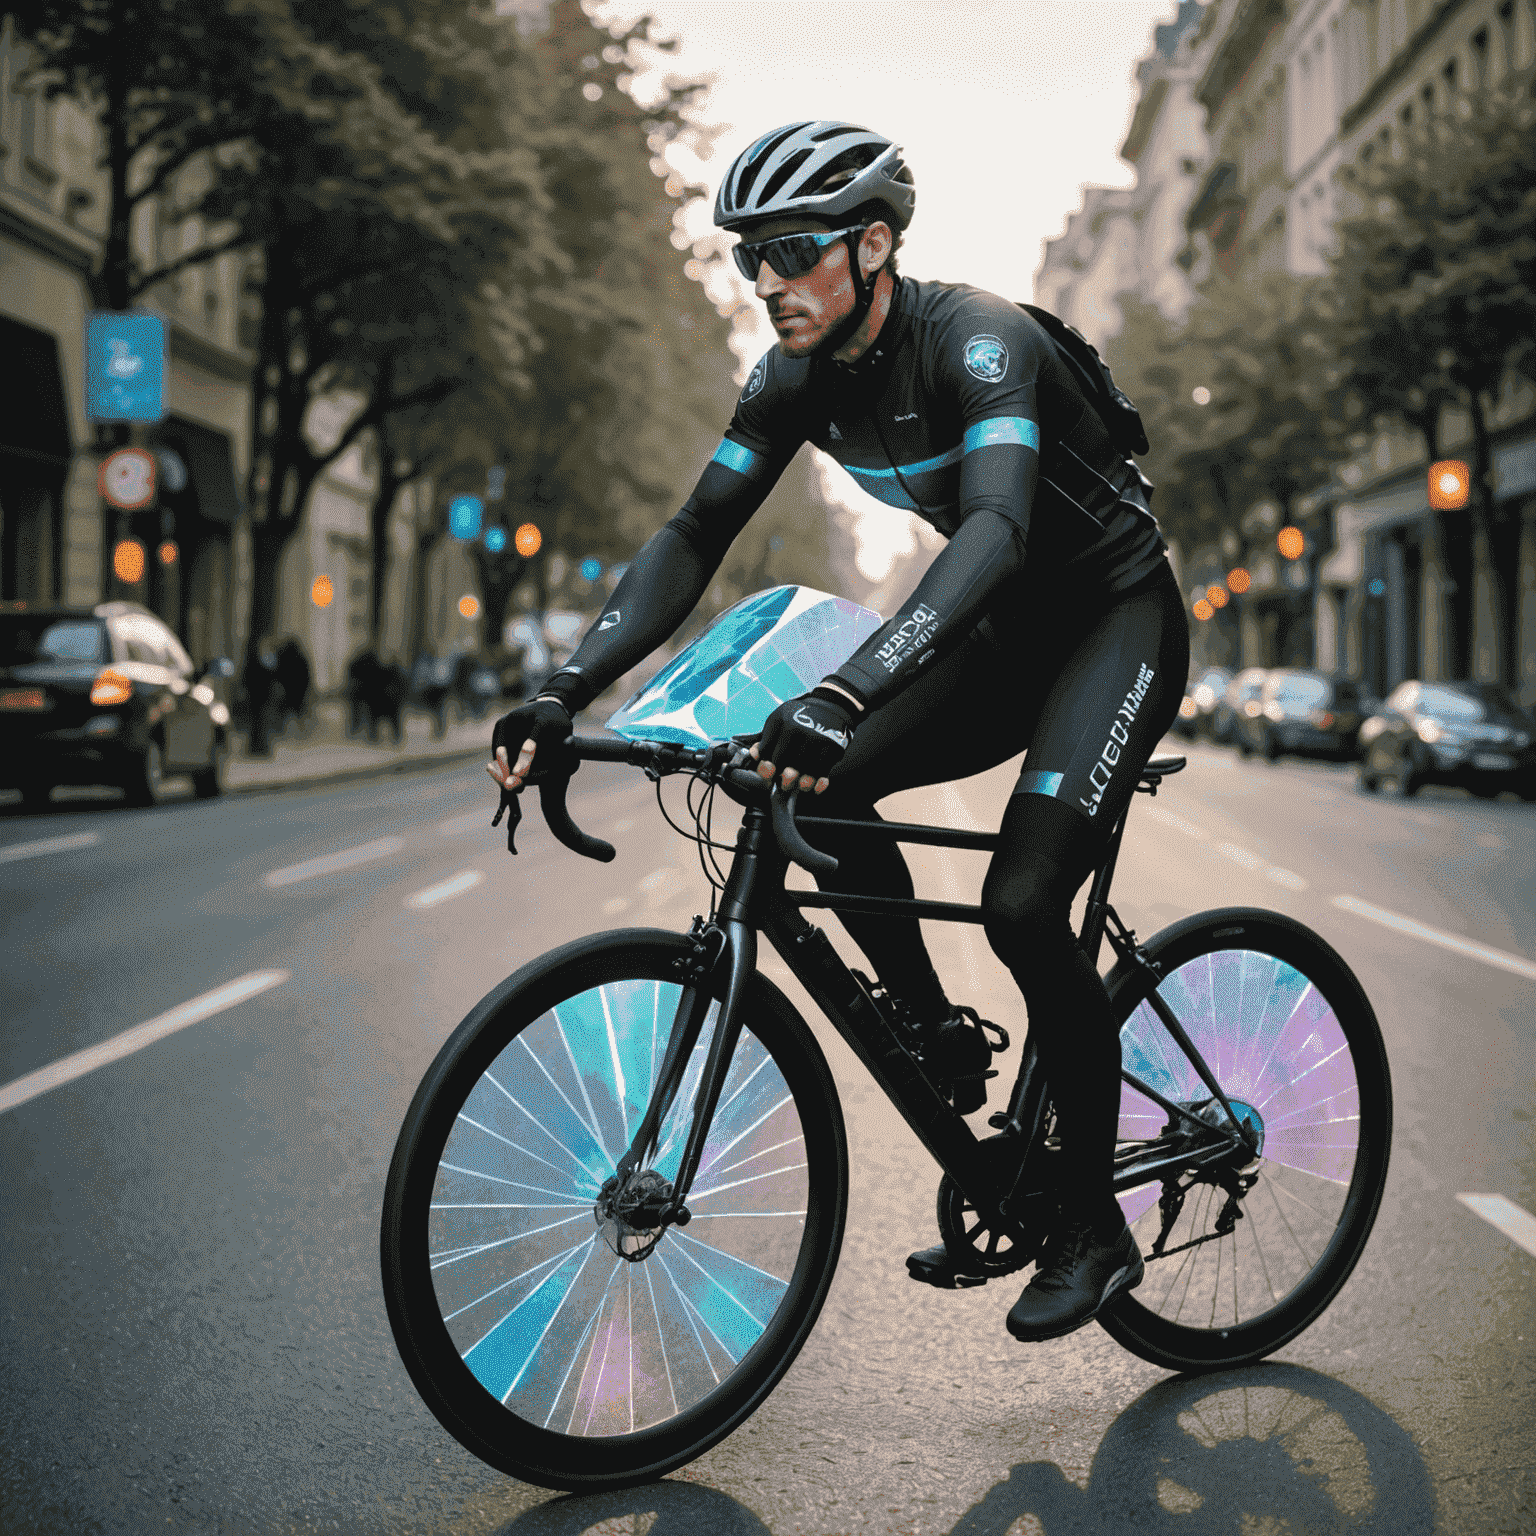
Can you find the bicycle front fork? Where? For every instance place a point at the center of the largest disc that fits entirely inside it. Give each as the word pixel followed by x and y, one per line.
pixel 636 1205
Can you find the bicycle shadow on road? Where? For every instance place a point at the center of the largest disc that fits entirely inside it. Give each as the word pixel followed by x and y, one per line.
pixel 1272 1447
pixel 658 1509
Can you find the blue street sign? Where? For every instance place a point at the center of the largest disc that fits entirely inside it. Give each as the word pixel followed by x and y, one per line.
pixel 591 568
pixel 495 540
pixel 124 367
pixel 464 514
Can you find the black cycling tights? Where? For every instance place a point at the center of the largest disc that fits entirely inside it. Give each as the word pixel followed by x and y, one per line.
pixel 1090 692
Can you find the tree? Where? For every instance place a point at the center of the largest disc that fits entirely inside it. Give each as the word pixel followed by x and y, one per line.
pixel 1431 304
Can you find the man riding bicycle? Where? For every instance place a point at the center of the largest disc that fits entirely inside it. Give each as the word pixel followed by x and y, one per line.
pixel 1050 621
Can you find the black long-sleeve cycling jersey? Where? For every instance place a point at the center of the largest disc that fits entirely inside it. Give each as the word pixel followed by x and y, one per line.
pixel 962 412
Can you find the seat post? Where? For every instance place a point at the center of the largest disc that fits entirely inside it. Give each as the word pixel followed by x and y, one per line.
pixel 1097 909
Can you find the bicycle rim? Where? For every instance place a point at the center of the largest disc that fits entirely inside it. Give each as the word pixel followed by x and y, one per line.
pixel 538 1346
pixel 1292 1040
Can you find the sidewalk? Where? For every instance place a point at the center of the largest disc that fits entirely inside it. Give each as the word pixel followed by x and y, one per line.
pixel 326 753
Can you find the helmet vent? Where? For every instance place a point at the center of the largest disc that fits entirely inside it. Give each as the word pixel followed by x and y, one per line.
pixel 759 158
pixel 834 133
pixel 775 183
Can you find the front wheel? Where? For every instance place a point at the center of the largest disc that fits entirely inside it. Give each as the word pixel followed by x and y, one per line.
pixel 538 1347
pixel 1243 1255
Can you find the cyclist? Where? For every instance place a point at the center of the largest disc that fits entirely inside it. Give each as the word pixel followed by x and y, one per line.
pixel 1049 621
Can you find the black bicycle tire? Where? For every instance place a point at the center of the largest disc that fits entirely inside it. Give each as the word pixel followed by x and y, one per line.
pixel 493 1433
pixel 1179 1347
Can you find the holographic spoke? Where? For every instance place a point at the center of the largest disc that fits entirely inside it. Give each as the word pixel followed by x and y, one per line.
pixel 537 1125
pixel 773 1173
pixel 448 1317
pixel 689 1313
pixel 661 1339
pixel 753 1156
pixel 575 1356
pixel 581 1082
pixel 495 1178
pixel 591 1126
pixel 454 1255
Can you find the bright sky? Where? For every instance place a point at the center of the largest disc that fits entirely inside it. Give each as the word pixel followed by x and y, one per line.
pixel 1004 109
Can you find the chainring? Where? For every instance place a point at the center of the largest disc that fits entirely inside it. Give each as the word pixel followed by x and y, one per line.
pixel 975 1247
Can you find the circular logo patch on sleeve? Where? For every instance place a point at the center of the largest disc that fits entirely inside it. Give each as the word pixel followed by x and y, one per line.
pixel 986 358
pixel 757 378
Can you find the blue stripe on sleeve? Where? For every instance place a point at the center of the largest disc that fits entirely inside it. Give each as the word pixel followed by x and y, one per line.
pixel 1003 429
pixel 734 456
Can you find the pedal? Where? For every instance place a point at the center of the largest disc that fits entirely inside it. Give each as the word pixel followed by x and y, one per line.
pixel 936 1267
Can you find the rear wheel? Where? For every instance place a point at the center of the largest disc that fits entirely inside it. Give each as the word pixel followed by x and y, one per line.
pixel 145 782
pixel 1242 1256
pixel 536 1345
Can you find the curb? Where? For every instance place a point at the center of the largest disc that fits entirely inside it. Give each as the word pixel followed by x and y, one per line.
pixel 361 771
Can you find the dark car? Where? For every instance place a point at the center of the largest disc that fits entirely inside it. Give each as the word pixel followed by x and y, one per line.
pixel 1305 712
pixel 1239 700
pixel 105 695
pixel 1471 734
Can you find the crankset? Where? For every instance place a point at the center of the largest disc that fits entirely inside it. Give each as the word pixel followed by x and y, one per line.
pixel 972 1252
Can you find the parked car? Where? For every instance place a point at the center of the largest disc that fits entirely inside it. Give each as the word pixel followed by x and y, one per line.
pixel 1203 695
pixel 1472 734
pixel 105 695
pixel 1239 700
pixel 1304 712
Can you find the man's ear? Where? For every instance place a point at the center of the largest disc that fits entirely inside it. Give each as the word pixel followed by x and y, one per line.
pixel 875 247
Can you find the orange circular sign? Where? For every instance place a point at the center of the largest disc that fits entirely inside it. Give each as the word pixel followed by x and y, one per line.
pixel 127 478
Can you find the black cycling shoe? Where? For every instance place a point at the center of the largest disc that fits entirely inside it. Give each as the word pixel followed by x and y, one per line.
pixel 1079 1273
pixel 955 1051
pixel 938 1266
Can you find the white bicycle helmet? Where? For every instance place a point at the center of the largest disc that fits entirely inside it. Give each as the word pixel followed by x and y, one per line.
pixel 779 175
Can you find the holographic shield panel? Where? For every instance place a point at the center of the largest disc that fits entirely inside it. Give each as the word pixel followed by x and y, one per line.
pixel 1273 1042
pixel 549 1320
pixel 768 648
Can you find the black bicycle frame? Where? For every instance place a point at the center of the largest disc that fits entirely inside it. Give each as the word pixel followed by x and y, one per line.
pixel 755 899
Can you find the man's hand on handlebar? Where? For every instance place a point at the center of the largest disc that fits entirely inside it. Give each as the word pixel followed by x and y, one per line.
pixel 805 738
pixel 543 722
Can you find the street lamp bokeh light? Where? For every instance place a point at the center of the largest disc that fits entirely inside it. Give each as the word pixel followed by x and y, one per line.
pixel 527 540
pixel 469 605
pixel 495 540
pixel 128 561
pixel 1239 580
pixel 1291 542
pixel 1203 610
pixel 1216 596
pixel 321 592
pixel 1450 484
pixel 591 568
pixel 1200 395
pixel 167 552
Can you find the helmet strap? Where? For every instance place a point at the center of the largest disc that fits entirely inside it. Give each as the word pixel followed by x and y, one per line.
pixel 863 297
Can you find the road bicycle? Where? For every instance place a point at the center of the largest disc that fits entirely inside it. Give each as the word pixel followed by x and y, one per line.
pixel 617 1199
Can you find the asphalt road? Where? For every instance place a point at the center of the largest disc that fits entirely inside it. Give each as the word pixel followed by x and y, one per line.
pixel 192 1336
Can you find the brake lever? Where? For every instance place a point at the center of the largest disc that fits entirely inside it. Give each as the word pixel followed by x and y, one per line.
pixel 782 810
pixel 512 809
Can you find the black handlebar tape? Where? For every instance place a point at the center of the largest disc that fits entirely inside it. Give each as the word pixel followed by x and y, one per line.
pixel 552 803
pixel 601 749
pixel 790 840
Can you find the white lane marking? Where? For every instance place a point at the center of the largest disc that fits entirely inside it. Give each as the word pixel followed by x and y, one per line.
pixel 1174 820
pixel 1240 855
pixel 1518 965
pixel 469 823
pixel 445 890
pixel 614 905
pixel 1514 1221
pixel 1490 840
pixel 1286 877
pixel 328 863
pixel 68 1068
pixel 49 845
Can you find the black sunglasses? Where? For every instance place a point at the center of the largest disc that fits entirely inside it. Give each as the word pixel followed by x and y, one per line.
pixel 789 255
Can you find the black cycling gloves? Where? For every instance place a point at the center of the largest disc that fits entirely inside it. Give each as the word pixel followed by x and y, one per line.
pixel 544 722
pixel 809 734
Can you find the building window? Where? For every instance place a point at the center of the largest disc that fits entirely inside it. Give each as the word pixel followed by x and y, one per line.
pixel 1480 59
